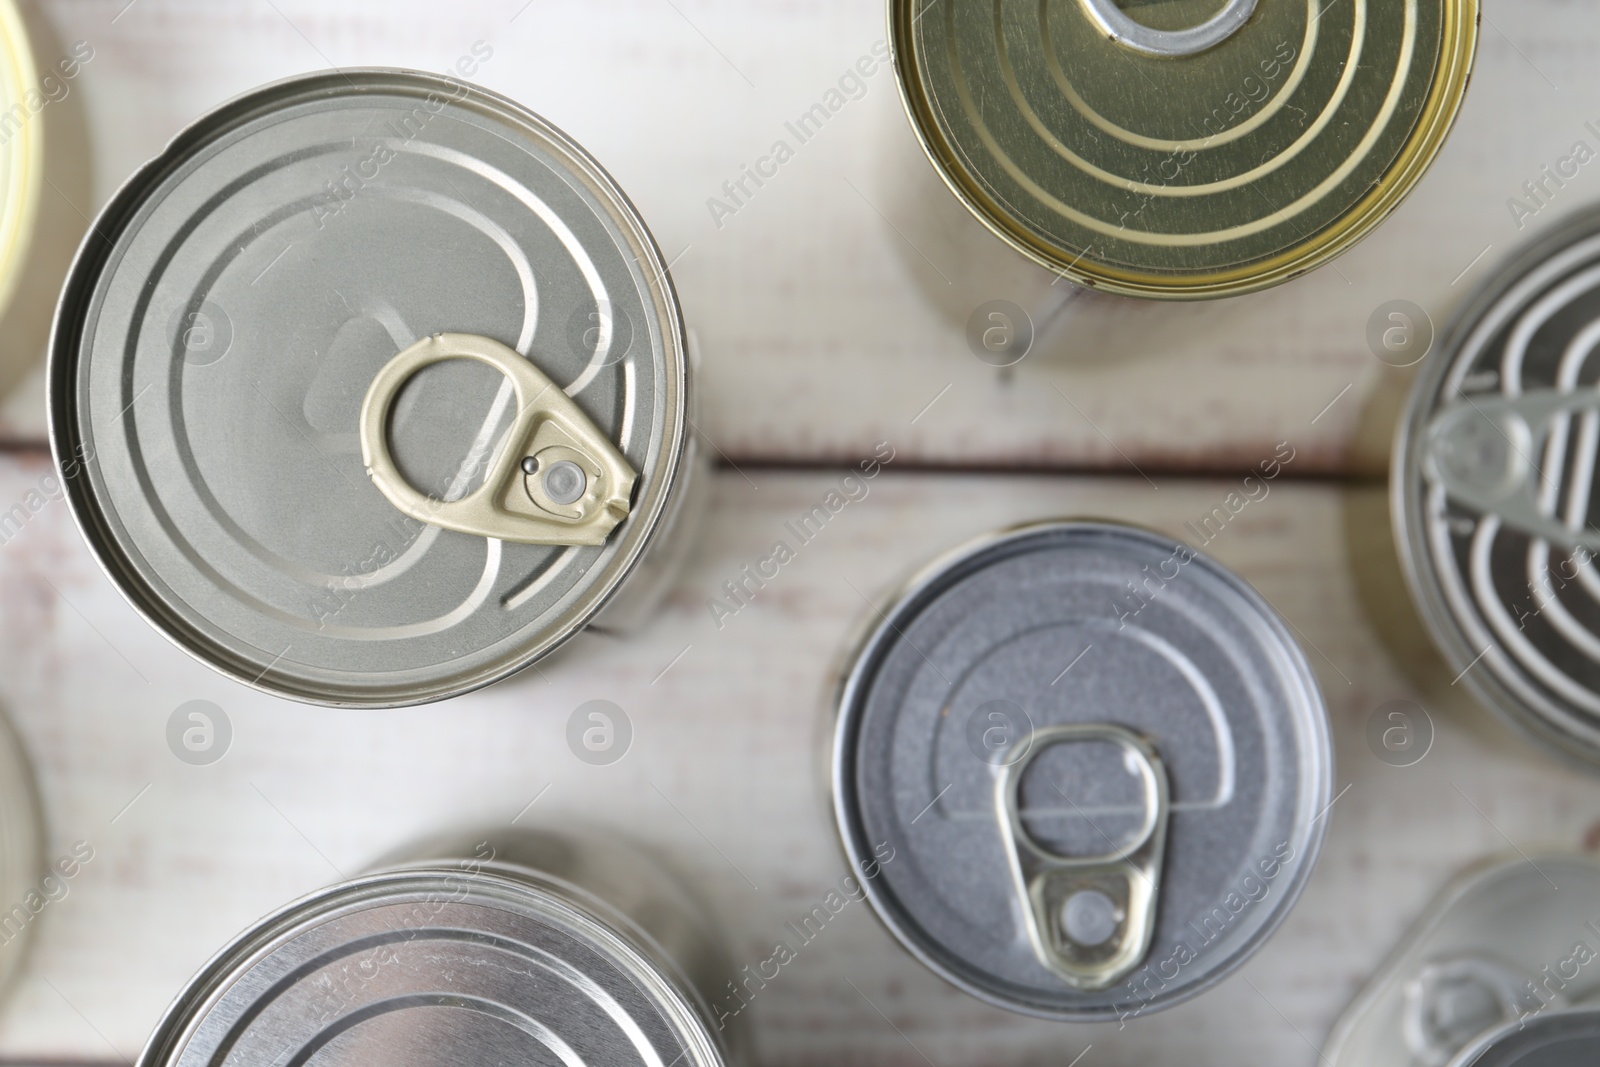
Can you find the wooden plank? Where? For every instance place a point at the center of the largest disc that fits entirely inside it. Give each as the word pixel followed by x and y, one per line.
pixel 724 779
pixel 832 305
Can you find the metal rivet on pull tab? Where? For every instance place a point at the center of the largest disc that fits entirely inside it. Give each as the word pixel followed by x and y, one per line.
pixel 1451 1001
pixel 1483 453
pixel 1090 918
pixel 1115 24
pixel 557 481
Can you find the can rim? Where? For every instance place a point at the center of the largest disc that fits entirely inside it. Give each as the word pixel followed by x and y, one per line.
pixel 874 637
pixel 1408 524
pixel 1437 116
pixel 25 165
pixel 651 510
pixel 22 841
pixel 1438 905
pixel 617 934
pixel 1477 1051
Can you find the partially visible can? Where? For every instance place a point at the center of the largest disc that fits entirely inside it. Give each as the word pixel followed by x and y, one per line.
pixel 1494 501
pixel 1098 761
pixel 22 147
pixel 515 948
pixel 1182 149
pixel 1562 1039
pixel 1504 950
pixel 27 882
pixel 372 389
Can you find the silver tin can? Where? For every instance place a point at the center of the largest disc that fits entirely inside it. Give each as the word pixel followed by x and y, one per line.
pixel 28 881
pixel 1493 492
pixel 1500 950
pixel 518 948
pixel 1098 762
pixel 372 389
pixel 1564 1039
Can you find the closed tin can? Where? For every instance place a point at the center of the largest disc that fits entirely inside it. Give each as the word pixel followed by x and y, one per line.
pixel 1179 149
pixel 29 882
pixel 372 389
pixel 1493 492
pixel 517 948
pixel 1564 1039
pixel 23 98
pixel 1097 762
pixel 1505 950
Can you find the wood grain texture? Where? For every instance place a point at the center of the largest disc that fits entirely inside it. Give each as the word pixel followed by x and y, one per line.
pixel 725 779
pixel 832 306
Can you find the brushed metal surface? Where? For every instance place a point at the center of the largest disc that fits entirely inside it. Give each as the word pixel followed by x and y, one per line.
pixel 222 325
pixel 1045 620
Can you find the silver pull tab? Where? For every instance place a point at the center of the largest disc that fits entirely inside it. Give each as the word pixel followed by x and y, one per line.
pixel 1483 453
pixel 557 481
pixel 1115 24
pixel 1090 918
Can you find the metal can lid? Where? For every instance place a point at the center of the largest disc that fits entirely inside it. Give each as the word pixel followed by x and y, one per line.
pixel 27 881
pixel 1188 152
pixel 21 147
pixel 1086 768
pixel 473 968
pixel 1494 491
pixel 1502 945
pixel 282 494
pixel 1559 1039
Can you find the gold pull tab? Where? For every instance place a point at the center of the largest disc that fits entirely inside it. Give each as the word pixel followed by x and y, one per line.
pixel 1090 918
pixel 557 481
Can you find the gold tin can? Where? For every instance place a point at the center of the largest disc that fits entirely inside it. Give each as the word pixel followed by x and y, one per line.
pixel 21 148
pixel 1187 152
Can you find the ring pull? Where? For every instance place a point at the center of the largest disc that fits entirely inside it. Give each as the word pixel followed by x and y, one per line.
pixel 1449 1002
pixel 1091 918
pixel 1116 24
pixel 1483 453
pixel 557 481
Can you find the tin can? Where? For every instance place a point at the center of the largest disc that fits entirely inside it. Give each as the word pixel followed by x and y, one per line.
pixel 1563 1039
pixel 372 389
pixel 1493 492
pixel 1178 150
pixel 518 948
pixel 22 147
pixel 1090 766
pixel 29 885
pixel 1500 951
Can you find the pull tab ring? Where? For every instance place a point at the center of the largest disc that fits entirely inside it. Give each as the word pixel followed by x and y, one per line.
pixel 1090 918
pixel 1116 24
pixel 1484 452
pixel 557 481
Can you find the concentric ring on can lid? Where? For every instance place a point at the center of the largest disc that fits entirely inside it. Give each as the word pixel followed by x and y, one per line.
pixel 1090 632
pixel 234 304
pixel 435 966
pixel 1195 174
pixel 21 147
pixel 1494 501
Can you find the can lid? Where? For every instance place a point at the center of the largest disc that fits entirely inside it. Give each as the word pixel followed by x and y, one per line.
pixel 1495 506
pixel 435 966
pixel 370 389
pixel 1176 150
pixel 1479 958
pixel 1086 768
pixel 21 147
pixel 1559 1039
pixel 22 862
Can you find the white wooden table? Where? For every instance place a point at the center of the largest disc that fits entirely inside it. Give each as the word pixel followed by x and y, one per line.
pixel 830 310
